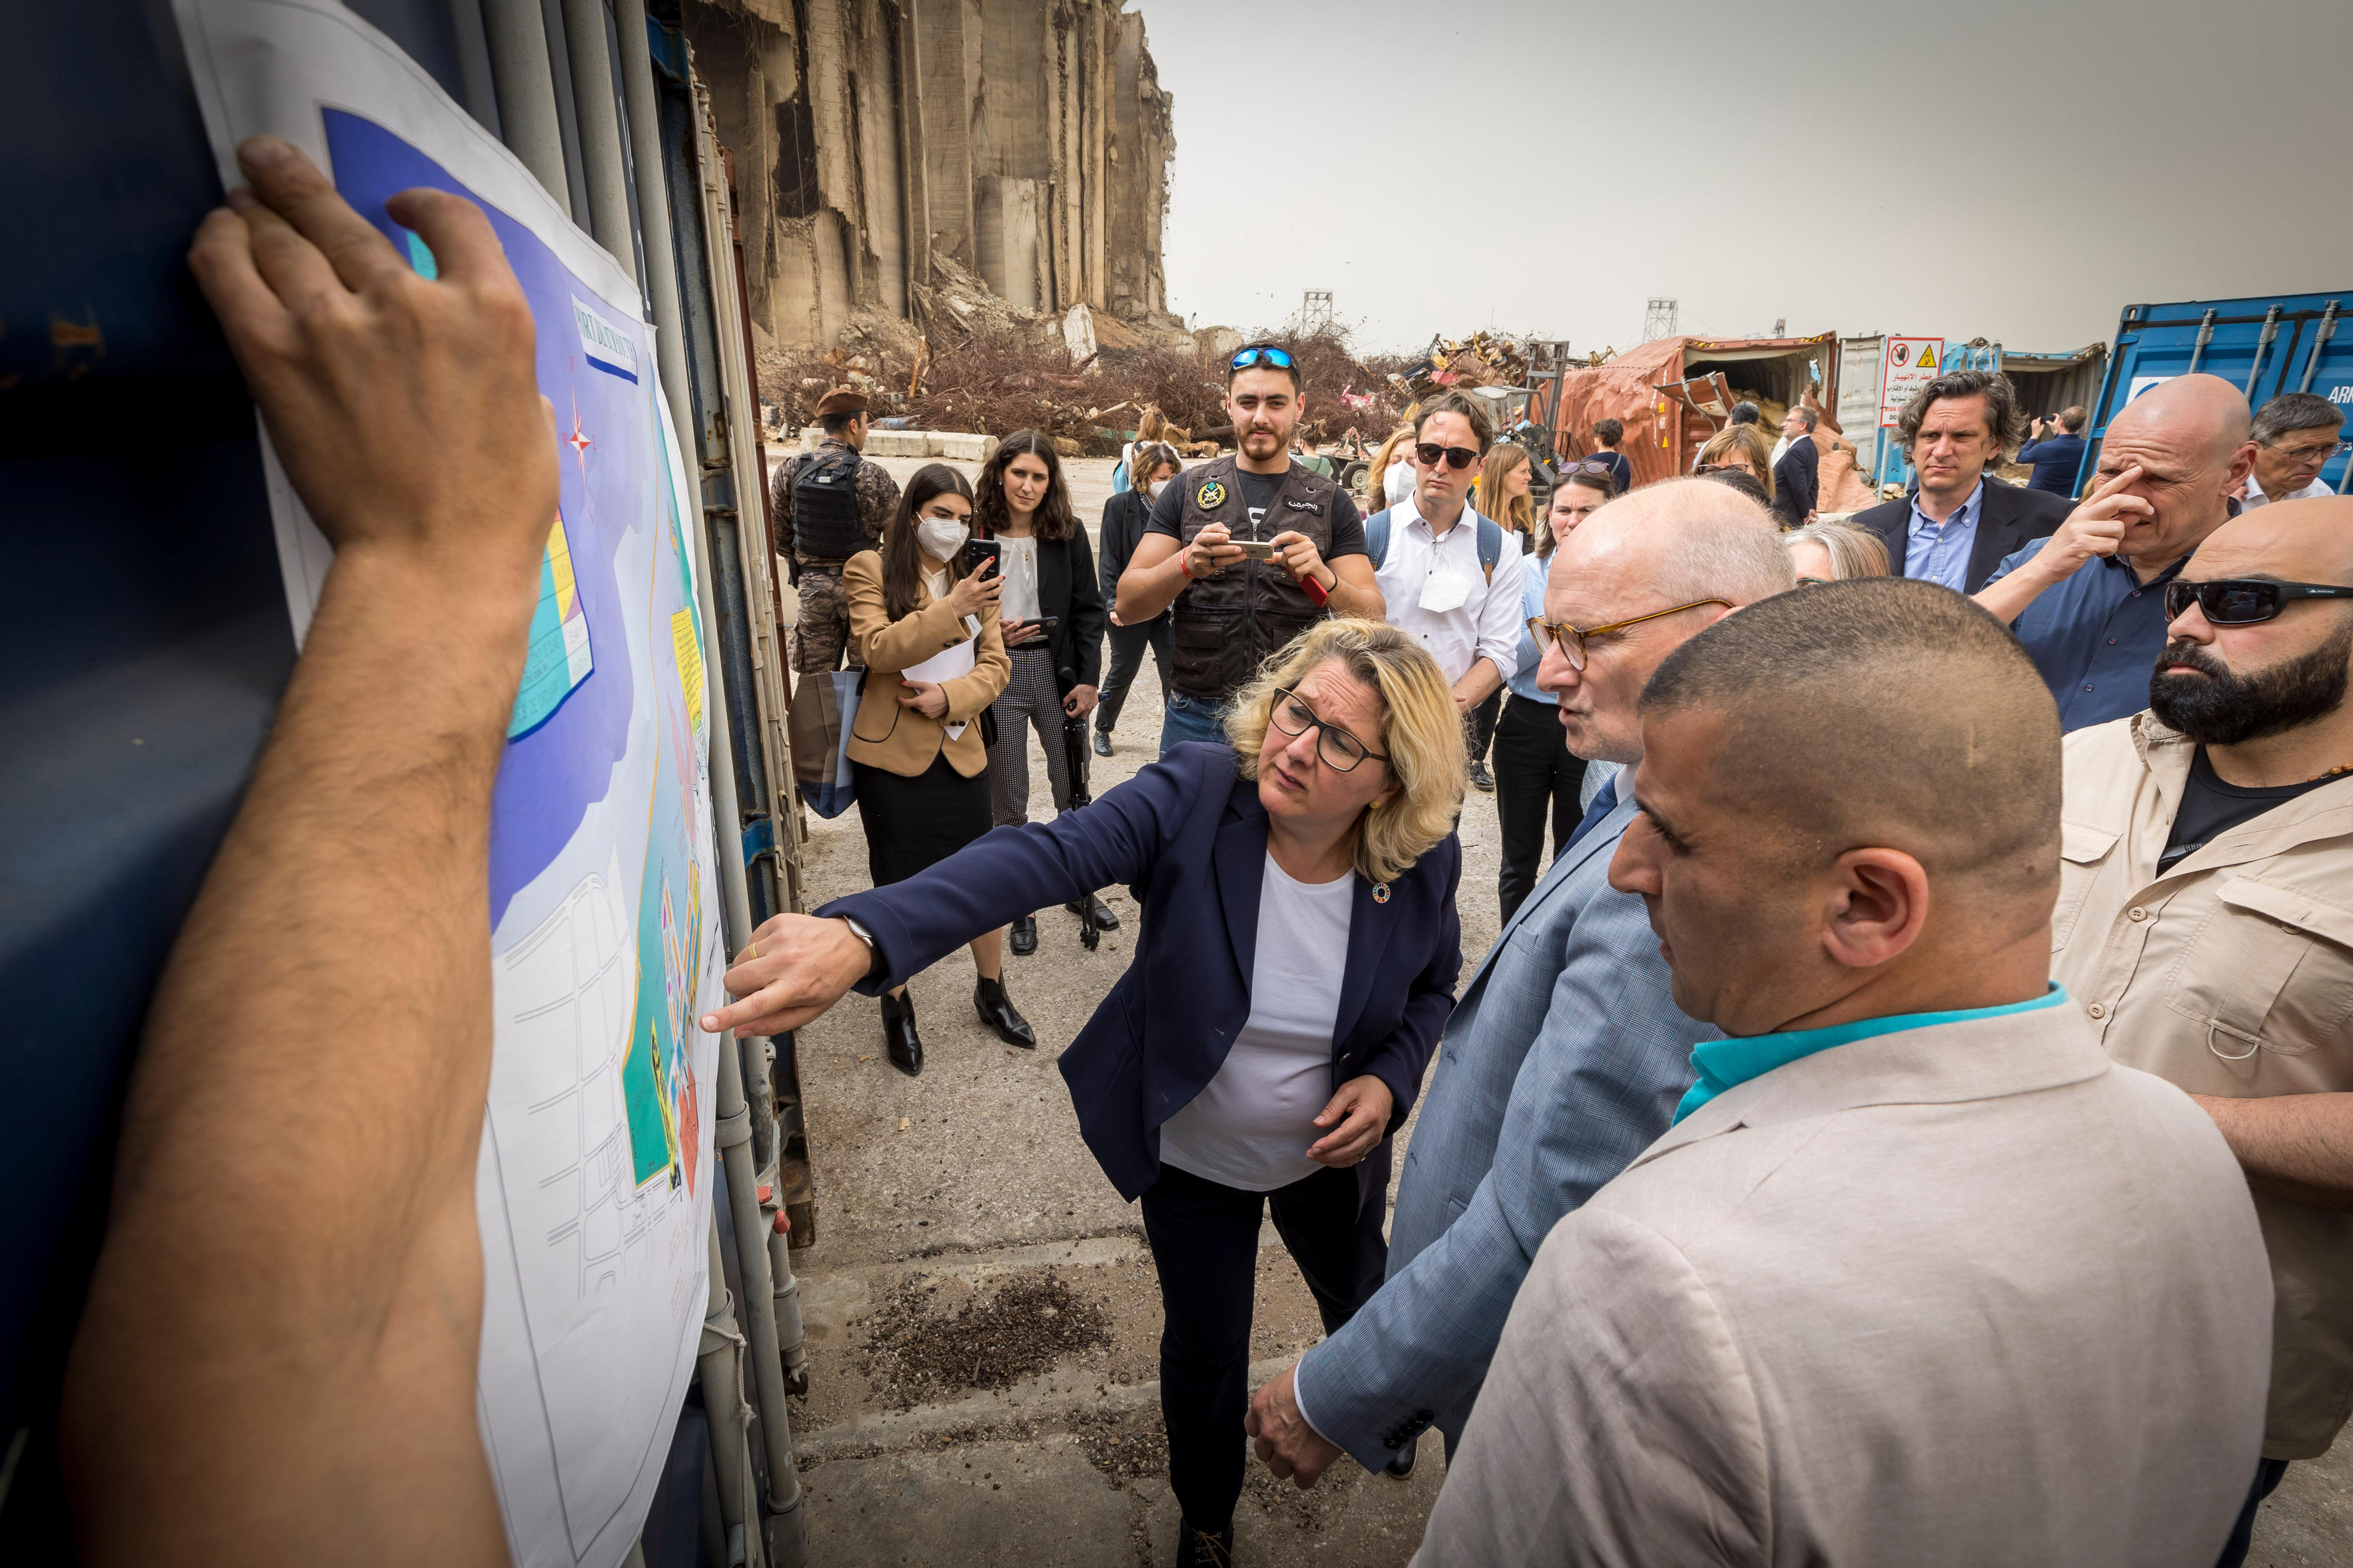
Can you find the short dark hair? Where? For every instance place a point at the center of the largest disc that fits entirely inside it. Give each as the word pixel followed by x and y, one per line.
pixel 1291 370
pixel 2071 417
pixel 1969 706
pixel 1610 432
pixel 1808 415
pixel 1455 403
pixel 1745 413
pixel 2002 413
pixel 2293 411
pixel 835 424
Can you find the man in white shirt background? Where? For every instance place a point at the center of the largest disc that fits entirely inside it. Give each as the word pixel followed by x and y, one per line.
pixel 2296 434
pixel 1449 577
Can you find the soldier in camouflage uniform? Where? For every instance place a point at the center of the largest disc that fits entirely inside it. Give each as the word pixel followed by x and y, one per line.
pixel 828 505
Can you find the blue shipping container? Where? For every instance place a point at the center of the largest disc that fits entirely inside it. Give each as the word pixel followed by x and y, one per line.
pixel 2290 343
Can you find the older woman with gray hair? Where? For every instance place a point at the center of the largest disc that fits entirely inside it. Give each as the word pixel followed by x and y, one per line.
pixel 1834 552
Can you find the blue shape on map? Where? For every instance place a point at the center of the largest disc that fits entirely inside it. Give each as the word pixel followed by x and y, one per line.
pixel 552 775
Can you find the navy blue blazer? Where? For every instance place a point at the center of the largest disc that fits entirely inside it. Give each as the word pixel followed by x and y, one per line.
pixel 1189 837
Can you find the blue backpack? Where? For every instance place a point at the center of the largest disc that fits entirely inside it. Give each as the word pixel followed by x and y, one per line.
pixel 1491 540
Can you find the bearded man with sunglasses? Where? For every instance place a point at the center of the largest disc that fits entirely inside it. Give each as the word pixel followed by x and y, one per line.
pixel 1235 606
pixel 2205 917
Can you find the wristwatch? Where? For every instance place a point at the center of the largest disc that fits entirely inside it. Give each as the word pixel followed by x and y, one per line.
pixel 857 929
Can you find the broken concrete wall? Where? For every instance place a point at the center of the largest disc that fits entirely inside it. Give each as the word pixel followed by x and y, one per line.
pixel 1028 140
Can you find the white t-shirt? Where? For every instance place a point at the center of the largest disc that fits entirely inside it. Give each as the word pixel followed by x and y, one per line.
pixel 1019 564
pixel 1252 1126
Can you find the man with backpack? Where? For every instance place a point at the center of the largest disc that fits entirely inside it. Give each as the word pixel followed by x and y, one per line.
pixel 1449 577
pixel 827 506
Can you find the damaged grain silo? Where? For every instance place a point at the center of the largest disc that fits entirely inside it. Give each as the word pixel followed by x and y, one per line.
pixel 1027 142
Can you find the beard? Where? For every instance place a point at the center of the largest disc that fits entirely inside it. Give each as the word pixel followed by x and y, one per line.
pixel 2220 706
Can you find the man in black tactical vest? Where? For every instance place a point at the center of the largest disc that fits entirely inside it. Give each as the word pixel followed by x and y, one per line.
pixel 828 505
pixel 1231 610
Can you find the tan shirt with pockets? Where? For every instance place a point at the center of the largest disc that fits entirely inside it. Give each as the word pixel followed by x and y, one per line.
pixel 2232 975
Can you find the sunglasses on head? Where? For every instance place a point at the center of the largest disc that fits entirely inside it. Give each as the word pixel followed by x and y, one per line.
pixel 2244 601
pixel 1430 452
pixel 1250 358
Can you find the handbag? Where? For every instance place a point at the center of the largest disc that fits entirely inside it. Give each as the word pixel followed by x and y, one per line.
pixel 824 707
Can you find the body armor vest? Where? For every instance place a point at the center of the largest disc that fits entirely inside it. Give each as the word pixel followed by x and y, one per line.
pixel 1227 625
pixel 826 526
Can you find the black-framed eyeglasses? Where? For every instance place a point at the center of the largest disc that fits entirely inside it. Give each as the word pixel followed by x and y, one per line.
pixel 1589 465
pixel 1341 751
pixel 1572 640
pixel 1456 457
pixel 2244 601
pixel 2307 454
pixel 1260 353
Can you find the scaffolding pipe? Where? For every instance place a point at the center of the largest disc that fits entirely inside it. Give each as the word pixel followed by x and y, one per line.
pixel 719 1365
pixel 594 105
pixel 638 92
pixel 524 79
pixel 787 1531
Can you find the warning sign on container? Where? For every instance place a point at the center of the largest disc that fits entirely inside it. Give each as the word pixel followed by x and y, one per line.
pixel 1911 363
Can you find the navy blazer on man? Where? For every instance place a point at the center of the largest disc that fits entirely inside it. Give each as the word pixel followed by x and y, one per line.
pixel 1189 835
pixel 2011 518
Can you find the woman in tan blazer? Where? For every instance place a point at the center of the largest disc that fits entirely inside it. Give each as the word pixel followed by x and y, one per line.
pixel 934 658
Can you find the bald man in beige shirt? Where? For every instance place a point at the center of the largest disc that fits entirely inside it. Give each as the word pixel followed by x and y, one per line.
pixel 2205 920
pixel 1919 1276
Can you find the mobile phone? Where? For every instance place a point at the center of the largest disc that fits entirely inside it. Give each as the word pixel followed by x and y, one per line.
pixel 980 556
pixel 1252 549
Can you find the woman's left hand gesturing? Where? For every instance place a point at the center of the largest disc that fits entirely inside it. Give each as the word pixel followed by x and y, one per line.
pixel 1358 1115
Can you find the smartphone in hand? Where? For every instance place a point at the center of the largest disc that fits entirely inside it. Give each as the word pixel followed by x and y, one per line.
pixel 1252 549
pixel 980 556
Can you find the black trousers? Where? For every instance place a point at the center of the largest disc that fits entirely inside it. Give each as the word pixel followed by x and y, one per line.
pixel 1480 722
pixel 1127 645
pixel 1204 1239
pixel 1536 776
pixel 2242 1534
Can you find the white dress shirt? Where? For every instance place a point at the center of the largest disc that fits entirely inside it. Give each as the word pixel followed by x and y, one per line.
pixel 1437 593
pixel 2255 496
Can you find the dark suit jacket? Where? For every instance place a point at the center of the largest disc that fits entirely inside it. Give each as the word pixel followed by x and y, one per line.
pixel 1797 482
pixel 1067 590
pixel 1189 837
pixel 2010 519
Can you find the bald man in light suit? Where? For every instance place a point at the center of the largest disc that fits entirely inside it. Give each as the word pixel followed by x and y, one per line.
pixel 1918 1276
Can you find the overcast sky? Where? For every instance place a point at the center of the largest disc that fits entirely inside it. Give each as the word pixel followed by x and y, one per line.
pixel 2017 170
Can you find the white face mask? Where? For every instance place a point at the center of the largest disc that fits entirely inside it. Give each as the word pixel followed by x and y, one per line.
pixel 1154 488
pixel 941 536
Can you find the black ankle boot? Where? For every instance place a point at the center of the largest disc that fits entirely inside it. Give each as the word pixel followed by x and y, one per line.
pixel 1204 1548
pixel 996 1011
pixel 1104 919
pixel 898 1036
pixel 1025 935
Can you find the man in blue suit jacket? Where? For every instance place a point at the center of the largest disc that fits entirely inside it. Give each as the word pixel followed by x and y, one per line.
pixel 1565 1055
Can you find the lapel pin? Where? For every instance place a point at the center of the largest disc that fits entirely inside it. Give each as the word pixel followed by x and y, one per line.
pixel 1380 892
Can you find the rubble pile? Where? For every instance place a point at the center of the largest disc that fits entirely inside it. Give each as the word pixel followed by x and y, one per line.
pixel 971 361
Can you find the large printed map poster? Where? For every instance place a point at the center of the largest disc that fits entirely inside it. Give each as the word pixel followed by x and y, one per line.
pixel 594 1182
